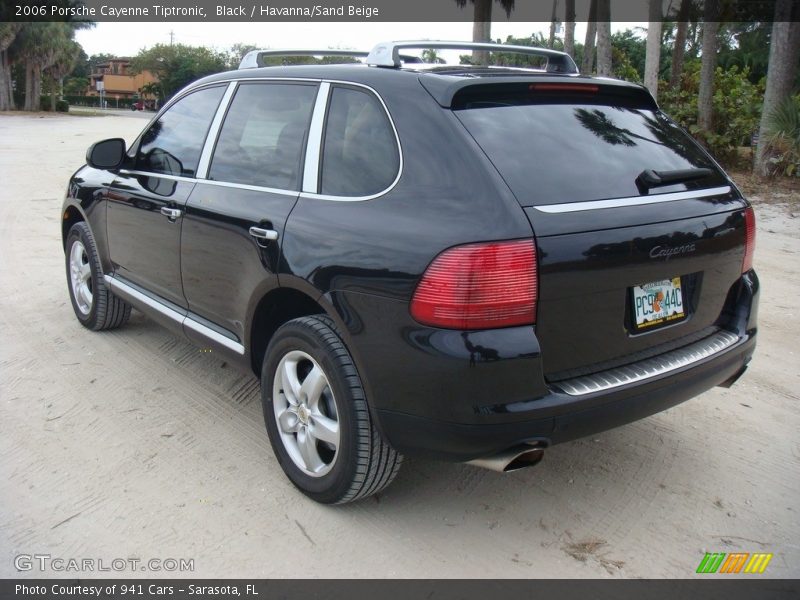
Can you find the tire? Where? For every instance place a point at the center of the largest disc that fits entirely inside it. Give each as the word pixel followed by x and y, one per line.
pixel 133 107
pixel 100 308
pixel 359 463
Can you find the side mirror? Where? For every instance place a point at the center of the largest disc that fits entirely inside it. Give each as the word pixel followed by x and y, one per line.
pixel 107 154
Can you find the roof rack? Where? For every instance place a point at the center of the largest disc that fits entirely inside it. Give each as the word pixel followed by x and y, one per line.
pixel 255 58
pixel 387 54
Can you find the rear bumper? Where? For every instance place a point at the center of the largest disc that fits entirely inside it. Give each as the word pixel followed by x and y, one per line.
pixel 569 417
pixel 459 396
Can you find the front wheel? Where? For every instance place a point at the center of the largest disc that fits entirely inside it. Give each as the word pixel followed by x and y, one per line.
pixel 95 306
pixel 317 417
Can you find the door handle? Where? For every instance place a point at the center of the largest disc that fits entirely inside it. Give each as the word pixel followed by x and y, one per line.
pixel 172 213
pixel 263 234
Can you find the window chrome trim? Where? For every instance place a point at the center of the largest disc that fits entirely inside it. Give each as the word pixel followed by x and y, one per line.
pixel 631 201
pixel 316 150
pixel 311 164
pixel 184 319
pixel 204 163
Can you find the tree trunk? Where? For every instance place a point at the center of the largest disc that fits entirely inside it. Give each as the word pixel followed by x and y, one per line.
pixel 551 41
pixel 784 57
pixel 27 105
pixel 569 27
pixel 653 55
pixel 604 37
pixel 6 94
pixel 588 46
pixel 482 30
pixel 679 49
pixel 708 66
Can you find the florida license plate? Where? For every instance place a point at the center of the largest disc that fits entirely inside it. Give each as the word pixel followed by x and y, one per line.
pixel 657 303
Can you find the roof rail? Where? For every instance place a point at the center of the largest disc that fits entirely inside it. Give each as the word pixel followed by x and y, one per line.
pixel 387 54
pixel 255 58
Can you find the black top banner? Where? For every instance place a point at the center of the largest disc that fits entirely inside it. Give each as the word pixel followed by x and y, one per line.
pixel 369 10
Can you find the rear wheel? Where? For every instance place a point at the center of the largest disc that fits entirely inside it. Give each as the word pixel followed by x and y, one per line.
pixel 95 306
pixel 317 417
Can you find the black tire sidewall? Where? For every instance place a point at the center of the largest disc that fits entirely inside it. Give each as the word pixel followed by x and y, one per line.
pixel 332 486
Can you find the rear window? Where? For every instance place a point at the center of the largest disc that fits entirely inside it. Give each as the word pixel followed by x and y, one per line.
pixel 575 149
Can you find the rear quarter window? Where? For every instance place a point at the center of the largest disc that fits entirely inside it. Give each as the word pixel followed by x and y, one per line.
pixel 360 156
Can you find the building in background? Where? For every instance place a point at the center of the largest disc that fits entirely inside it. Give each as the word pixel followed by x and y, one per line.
pixel 119 84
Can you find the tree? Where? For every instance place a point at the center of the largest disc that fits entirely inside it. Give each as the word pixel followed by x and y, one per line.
pixel 431 55
pixel 553 22
pixel 62 66
pixel 604 37
pixel 784 56
pixel 482 24
pixel 569 27
pixel 175 66
pixel 653 59
pixel 591 33
pixel 708 65
pixel 237 53
pixel 8 32
pixel 679 45
pixel 36 48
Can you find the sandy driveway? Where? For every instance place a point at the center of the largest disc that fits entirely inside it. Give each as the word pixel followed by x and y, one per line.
pixel 133 444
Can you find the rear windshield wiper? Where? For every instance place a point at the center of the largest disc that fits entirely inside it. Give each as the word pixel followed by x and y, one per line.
pixel 649 179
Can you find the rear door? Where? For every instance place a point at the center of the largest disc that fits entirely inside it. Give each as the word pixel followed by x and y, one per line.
pixel 234 222
pixel 626 271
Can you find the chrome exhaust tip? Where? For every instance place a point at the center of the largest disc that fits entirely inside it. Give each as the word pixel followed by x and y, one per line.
pixel 513 459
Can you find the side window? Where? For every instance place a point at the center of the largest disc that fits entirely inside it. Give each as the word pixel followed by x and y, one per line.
pixel 360 155
pixel 173 144
pixel 261 140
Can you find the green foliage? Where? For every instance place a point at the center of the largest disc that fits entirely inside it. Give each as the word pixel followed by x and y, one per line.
pixel 178 65
pixel 783 138
pixel 736 107
pixel 62 106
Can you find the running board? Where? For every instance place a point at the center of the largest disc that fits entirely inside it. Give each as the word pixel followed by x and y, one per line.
pixel 652 367
pixel 186 320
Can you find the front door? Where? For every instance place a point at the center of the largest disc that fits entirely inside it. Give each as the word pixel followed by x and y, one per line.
pixel 147 199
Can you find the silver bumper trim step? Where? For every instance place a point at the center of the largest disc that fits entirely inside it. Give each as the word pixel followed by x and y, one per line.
pixel 647 369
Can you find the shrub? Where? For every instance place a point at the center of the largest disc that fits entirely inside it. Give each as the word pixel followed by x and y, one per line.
pixel 62 106
pixel 736 107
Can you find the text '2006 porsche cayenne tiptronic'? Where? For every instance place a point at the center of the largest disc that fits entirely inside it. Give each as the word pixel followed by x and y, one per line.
pixel 460 262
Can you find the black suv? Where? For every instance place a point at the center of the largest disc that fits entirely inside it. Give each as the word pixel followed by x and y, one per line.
pixel 464 262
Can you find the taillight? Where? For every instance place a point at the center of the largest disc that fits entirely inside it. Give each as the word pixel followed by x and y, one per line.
pixel 479 286
pixel 750 239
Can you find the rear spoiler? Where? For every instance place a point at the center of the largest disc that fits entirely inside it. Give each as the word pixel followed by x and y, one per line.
pixel 448 90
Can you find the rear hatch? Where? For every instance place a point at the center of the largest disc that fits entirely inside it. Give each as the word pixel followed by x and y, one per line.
pixel 627 269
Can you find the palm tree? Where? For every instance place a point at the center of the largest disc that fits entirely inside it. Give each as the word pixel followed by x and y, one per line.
pixel 8 31
pixel 653 56
pixel 482 24
pixel 604 37
pixel 784 55
pixel 708 64
pixel 591 33
pixel 679 47
pixel 569 27
pixel 62 66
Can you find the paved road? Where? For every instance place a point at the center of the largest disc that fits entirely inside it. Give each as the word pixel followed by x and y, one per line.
pixel 133 444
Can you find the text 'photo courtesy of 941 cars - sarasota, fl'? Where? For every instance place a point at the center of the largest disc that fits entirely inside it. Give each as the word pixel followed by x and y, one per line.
pixel 465 263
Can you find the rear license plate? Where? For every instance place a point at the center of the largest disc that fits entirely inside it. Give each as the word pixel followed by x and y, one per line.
pixel 657 303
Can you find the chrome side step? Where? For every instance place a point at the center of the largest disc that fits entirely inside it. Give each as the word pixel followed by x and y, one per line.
pixel 652 367
pixel 186 320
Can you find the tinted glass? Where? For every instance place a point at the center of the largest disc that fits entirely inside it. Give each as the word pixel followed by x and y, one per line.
pixel 261 141
pixel 173 144
pixel 568 152
pixel 360 156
